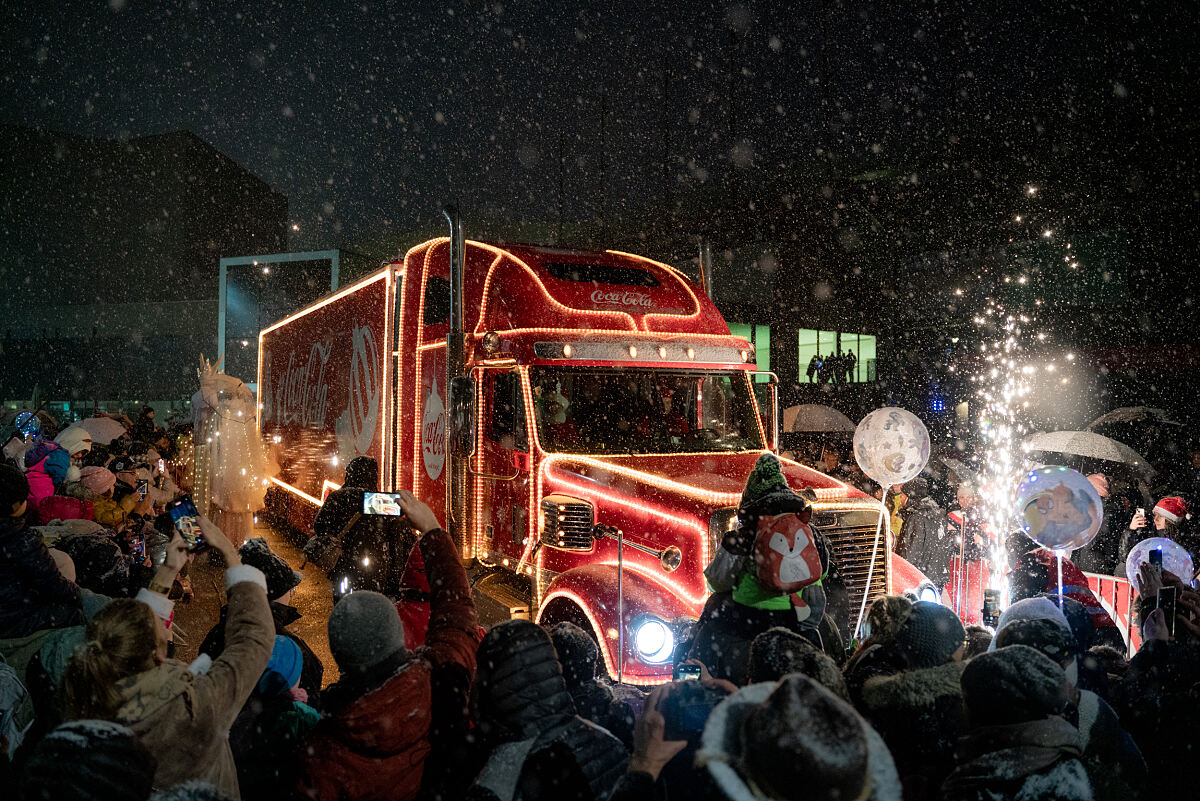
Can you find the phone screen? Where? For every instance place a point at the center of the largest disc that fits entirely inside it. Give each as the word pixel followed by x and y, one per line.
pixel 187 522
pixel 1156 561
pixel 162 466
pixel 143 488
pixel 1166 602
pixel 689 672
pixel 382 503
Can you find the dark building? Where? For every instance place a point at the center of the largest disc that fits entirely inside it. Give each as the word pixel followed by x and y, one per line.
pixel 109 252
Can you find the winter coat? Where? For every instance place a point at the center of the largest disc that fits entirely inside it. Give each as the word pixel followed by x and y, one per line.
pixel 923 540
pixel 105 510
pixel 187 717
pixel 1158 701
pixel 919 714
pixel 538 747
pixel 312 673
pixel 266 739
pixel 1039 572
pixel 344 537
pixel 377 739
pixel 1112 760
pixel 34 595
pixel 1035 761
pixel 726 629
pixel 879 659
pixel 45 466
pixel 594 701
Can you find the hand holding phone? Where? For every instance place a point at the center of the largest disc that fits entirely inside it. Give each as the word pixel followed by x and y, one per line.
pixel 1167 598
pixel 1156 562
pixel 382 503
pixel 687 672
pixel 1139 519
pixel 186 518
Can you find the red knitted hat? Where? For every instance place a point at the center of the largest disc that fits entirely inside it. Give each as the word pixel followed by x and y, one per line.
pixel 1173 508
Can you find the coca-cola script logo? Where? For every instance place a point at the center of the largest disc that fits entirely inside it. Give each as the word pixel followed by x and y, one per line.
pixel 300 394
pixel 433 433
pixel 621 298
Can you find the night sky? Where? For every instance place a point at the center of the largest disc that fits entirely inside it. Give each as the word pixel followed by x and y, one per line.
pixel 368 115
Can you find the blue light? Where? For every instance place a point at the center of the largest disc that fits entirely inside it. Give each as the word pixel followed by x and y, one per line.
pixel 938 403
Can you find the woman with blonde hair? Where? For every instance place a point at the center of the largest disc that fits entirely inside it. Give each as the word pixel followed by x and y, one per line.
pixel 122 673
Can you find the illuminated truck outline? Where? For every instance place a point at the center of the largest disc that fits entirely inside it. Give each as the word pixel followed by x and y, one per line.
pixel 328 393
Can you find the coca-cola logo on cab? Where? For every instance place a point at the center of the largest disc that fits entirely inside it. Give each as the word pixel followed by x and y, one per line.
pixel 433 433
pixel 621 298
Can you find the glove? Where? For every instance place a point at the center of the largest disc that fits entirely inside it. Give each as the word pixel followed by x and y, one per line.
pixel 739 542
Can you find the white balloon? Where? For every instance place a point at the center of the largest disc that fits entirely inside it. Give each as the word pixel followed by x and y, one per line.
pixel 1174 559
pixel 891 446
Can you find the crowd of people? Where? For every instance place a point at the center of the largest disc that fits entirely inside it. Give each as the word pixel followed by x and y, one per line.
pixel 768 703
pixel 836 368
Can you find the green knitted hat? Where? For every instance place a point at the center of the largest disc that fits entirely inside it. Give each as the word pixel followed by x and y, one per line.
pixel 765 479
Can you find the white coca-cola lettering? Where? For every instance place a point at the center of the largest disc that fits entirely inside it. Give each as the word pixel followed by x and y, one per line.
pixel 621 298
pixel 300 393
pixel 365 385
pixel 433 433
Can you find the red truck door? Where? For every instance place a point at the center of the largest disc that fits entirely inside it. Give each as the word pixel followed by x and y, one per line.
pixel 501 466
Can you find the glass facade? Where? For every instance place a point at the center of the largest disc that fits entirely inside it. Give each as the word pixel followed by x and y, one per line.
pixel 760 337
pixel 815 348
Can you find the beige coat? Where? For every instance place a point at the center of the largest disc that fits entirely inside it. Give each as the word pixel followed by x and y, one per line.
pixel 184 719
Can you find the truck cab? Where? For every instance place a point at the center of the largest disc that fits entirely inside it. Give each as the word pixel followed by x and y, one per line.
pixel 611 423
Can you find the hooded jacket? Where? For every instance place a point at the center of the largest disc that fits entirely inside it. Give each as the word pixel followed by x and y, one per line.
pixel 919 714
pixel 526 714
pixel 45 467
pixel 187 717
pixel 34 595
pixel 378 741
pixel 1034 761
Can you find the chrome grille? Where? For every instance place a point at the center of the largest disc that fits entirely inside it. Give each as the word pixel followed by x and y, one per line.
pixel 567 525
pixel 852 539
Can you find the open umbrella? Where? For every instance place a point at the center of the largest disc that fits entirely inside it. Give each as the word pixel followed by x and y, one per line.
pixel 817 418
pixel 103 429
pixel 961 470
pixel 1090 445
pixel 1133 414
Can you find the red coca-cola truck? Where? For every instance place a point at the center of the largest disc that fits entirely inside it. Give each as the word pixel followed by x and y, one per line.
pixel 584 422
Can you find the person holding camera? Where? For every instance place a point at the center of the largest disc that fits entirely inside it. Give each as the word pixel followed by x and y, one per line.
pixel 121 673
pixel 396 719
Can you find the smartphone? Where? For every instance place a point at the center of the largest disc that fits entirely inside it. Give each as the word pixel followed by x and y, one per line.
pixel 137 547
pixel 1166 602
pixel 1142 511
pixel 143 489
pixel 687 673
pixel 382 503
pixel 1156 562
pixel 187 522
pixel 162 466
pixel 991 607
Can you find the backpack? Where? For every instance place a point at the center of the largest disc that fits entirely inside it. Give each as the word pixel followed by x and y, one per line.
pixel 787 554
pixel 61 507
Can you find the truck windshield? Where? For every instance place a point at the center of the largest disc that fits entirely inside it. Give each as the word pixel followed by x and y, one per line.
pixel 643 411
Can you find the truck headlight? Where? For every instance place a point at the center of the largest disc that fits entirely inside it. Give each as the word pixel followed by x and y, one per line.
pixel 653 640
pixel 924 592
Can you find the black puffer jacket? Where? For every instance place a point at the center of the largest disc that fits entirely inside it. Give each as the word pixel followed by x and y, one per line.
pixel 923 539
pixel 537 747
pixel 593 697
pixel 368 550
pixel 33 593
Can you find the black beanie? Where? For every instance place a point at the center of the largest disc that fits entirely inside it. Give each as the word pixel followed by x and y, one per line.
pixel 930 635
pixel 1017 684
pixel 577 652
pixel 14 488
pixel 279 574
pixel 90 760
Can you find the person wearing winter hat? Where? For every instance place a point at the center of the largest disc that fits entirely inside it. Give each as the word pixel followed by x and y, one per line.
pixel 1172 516
pixel 1019 745
pixel 122 671
pixel 46 465
pixel 917 708
pixel 34 594
pixel 778 652
pixel 536 746
pixel 89 760
pixel 794 740
pixel 884 618
pixel 267 734
pixel 1112 760
pixel 282 581
pixel 96 484
pixel 396 718
pixel 768 572
pixel 593 698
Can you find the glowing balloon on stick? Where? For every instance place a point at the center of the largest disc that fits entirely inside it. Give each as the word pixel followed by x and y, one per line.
pixel 1059 508
pixel 1174 559
pixel 891 446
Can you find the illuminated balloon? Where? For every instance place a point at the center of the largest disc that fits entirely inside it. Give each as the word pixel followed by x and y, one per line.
pixel 1174 559
pixel 1059 508
pixel 891 446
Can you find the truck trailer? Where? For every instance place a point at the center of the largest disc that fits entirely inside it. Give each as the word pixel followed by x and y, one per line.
pixel 583 421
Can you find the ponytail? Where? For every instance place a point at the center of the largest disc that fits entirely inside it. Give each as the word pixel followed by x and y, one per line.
pixel 120 643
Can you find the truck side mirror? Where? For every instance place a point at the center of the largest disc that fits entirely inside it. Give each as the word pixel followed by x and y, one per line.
pixel 766 394
pixel 462 416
